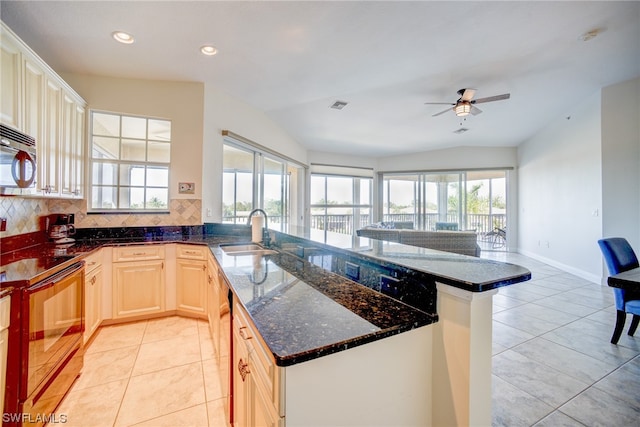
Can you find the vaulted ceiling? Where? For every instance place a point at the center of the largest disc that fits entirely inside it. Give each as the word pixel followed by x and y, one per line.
pixel 294 59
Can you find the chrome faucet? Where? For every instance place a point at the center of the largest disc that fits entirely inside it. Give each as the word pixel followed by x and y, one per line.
pixel 266 238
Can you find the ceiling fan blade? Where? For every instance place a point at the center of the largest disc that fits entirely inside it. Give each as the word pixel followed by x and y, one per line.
pixel 442 112
pixel 439 103
pixel 491 98
pixel 467 94
pixel 475 110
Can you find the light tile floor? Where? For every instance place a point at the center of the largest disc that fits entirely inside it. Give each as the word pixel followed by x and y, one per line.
pixel 160 372
pixel 553 364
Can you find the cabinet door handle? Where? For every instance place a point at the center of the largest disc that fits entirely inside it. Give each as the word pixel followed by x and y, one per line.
pixel 191 252
pixel 89 264
pixel 93 280
pixel 243 368
pixel 139 253
pixel 243 333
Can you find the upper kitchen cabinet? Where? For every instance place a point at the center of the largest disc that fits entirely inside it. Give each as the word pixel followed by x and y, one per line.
pixel 10 67
pixel 36 101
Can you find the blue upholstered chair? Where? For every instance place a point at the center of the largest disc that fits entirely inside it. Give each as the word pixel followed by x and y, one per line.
pixel 620 257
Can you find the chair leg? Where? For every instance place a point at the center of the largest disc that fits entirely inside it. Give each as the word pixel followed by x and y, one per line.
pixel 620 319
pixel 634 324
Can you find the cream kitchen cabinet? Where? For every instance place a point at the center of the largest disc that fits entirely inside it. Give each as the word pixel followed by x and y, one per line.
pixel 138 281
pixel 10 80
pixel 60 153
pixel 38 102
pixel 34 80
pixel 71 152
pixel 256 378
pixel 93 284
pixel 213 303
pixel 48 181
pixel 191 279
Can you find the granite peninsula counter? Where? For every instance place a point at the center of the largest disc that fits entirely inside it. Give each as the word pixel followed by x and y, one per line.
pixel 352 318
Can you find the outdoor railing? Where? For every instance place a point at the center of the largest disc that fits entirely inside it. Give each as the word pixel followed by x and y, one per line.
pixel 343 224
pixel 480 223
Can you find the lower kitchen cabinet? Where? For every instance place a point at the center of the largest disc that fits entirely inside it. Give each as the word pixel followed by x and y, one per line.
pixel 213 304
pixel 93 283
pixel 256 379
pixel 191 279
pixel 138 286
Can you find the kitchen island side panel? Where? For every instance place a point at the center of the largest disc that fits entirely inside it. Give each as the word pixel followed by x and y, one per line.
pixel 386 382
pixel 462 349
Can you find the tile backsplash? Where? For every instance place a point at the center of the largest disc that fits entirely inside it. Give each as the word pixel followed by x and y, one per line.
pixel 23 214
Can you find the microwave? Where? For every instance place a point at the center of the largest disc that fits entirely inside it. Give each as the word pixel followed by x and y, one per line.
pixel 17 162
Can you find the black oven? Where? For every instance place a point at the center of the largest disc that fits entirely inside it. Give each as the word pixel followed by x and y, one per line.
pixel 17 162
pixel 48 356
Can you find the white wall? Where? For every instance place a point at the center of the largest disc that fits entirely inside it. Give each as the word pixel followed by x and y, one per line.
pixel 560 192
pixel 592 164
pixel 325 158
pixel 180 102
pixel 451 159
pixel 223 112
pixel 621 162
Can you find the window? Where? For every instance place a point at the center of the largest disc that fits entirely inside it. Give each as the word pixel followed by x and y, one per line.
pixel 254 178
pixel 130 158
pixel 340 205
pixel 469 200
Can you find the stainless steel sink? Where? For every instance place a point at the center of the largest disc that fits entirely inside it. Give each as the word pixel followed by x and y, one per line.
pixel 237 249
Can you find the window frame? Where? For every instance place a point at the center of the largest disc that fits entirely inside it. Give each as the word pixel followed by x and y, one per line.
pixel 145 164
pixel 355 205
pixel 292 205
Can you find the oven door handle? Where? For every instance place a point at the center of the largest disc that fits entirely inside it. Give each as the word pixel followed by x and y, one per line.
pixel 49 282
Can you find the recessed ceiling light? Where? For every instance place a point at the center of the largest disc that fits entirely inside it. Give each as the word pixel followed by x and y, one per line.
pixel 208 50
pixel 123 37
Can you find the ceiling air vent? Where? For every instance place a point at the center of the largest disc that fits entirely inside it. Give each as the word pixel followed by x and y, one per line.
pixel 461 130
pixel 339 105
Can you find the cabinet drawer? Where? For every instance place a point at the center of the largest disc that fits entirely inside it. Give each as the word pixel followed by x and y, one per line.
pixel 138 253
pixel 93 261
pixel 192 252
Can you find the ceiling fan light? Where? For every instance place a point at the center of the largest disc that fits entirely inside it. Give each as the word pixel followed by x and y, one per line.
pixel 123 37
pixel 208 50
pixel 462 109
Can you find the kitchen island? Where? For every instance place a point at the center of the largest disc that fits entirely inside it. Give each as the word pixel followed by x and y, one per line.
pixel 433 309
pixel 374 333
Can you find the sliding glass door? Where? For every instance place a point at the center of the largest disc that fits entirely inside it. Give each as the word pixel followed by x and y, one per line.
pixel 254 179
pixel 459 200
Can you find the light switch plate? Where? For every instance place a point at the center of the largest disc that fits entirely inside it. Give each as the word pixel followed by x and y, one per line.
pixel 186 187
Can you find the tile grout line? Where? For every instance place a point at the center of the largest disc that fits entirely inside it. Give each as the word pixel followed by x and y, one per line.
pixel 146 324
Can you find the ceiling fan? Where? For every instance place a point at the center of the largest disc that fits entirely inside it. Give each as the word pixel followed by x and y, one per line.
pixel 465 104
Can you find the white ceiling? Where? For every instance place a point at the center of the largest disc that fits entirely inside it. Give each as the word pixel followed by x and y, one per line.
pixel 386 59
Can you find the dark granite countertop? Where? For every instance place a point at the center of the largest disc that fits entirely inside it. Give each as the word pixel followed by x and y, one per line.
pixel 465 272
pixel 303 311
